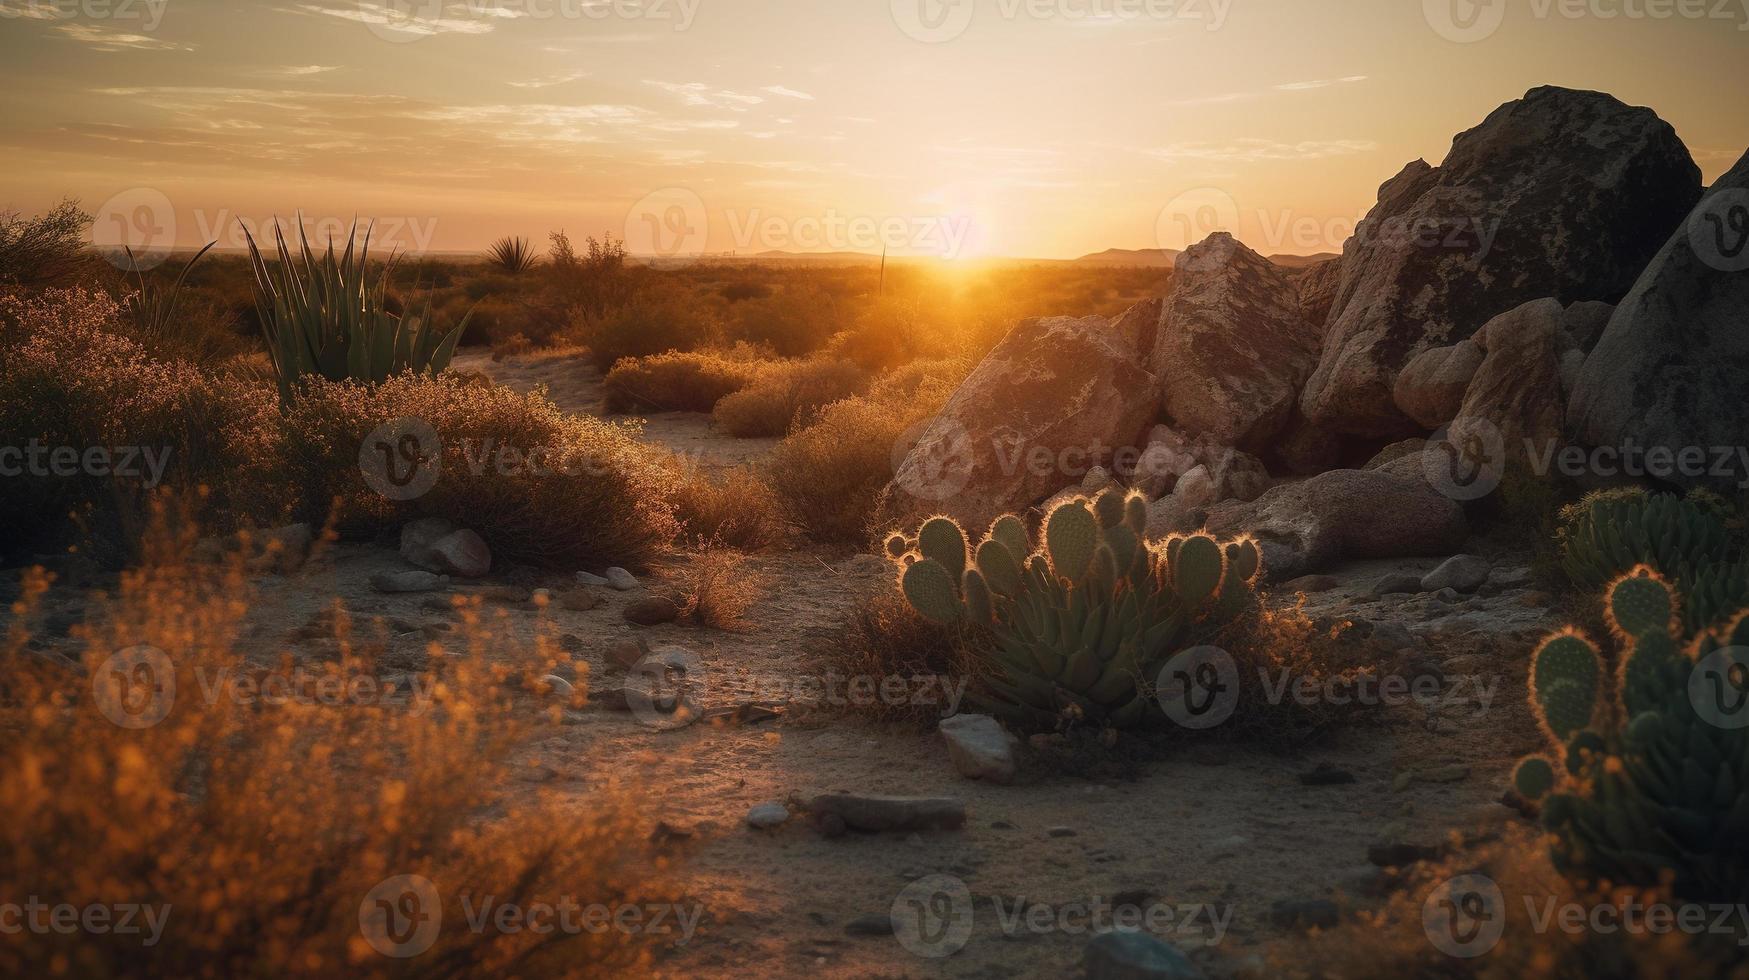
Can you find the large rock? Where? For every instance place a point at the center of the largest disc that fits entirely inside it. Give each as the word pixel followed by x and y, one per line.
pixel 1431 387
pixel 1318 286
pixel 1561 194
pixel 1342 515
pixel 979 747
pixel 1670 369
pixel 1517 390
pixel 1233 348
pixel 1056 396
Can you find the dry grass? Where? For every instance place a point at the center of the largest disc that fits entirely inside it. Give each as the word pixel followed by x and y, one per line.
pixel 262 827
pixel 787 396
pixel 655 322
pixel 542 487
pixel 719 587
pixel 830 475
pixel 737 510
pixel 691 381
pixel 885 638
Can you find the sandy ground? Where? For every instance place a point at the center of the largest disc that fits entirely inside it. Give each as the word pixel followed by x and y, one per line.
pixel 1217 826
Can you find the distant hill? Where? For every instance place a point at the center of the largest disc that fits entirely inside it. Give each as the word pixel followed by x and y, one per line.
pixel 1302 261
pixel 1165 258
pixel 1147 257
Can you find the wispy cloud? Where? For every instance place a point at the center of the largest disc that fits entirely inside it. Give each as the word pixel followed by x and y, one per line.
pixel 300 71
pixel 551 80
pixel 700 94
pixel 788 93
pixel 1254 150
pixel 105 39
pixel 1246 96
pixel 442 18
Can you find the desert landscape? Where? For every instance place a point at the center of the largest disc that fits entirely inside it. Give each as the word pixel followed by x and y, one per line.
pixel 625 604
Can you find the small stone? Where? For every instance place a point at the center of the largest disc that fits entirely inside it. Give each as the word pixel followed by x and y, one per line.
pixel 1396 854
pixel 666 833
pixel 578 600
pixel 571 643
pixel 1311 584
pixel 1511 578
pixel 889 813
pixel 1448 595
pixel 462 553
pixel 1463 573
pixel 1061 832
pixel 767 815
pixel 558 686
pixel 1326 775
pixel 1444 774
pixel 585 578
pixel 417 537
pixel 651 611
pixel 870 925
pixel 626 653
pixel 507 595
pixel 1124 955
pixel 1397 584
pixel 405 582
pixel 621 580
pixel 980 748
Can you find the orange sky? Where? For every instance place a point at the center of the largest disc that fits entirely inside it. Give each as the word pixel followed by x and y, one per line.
pixel 1037 128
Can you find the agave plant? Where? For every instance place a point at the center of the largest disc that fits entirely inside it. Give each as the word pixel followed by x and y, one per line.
pixel 328 316
pixel 150 307
pixel 512 255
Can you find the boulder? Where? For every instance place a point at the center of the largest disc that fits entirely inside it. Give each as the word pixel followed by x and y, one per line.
pixel 1342 515
pixel 651 610
pixel 1431 387
pixel 417 537
pixel 1186 507
pixel 1517 390
pixel 1562 193
pixel 1464 573
pixel 1167 456
pixel 1055 394
pixel 1395 451
pixel 1238 476
pixel 1305 449
pixel 1669 370
pixel 1585 323
pixel 1233 348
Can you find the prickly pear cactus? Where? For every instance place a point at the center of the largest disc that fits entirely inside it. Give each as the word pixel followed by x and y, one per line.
pixel 1648 788
pixel 1684 539
pixel 1077 625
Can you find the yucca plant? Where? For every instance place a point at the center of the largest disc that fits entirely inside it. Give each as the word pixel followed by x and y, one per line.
pixel 512 255
pixel 328 316
pixel 150 307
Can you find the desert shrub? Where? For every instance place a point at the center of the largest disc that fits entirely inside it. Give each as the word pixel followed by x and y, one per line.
pixel 329 317
pixel 540 486
pixel 736 292
pixel 737 510
pixel 786 396
pixel 596 281
pixel 46 251
pixel 796 321
pixel 261 830
pixel 890 333
pixel 512 346
pixel 71 384
pixel 653 323
pixel 885 637
pixel 830 474
pixel 719 586
pixel 679 381
pixel 512 255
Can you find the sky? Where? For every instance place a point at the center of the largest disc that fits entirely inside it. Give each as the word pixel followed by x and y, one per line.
pixel 952 128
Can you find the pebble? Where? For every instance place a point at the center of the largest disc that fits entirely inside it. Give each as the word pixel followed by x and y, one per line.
pixel 979 747
pixel 1326 775
pixel 874 924
pixel 621 580
pixel 1397 584
pixel 585 578
pixel 768 815
pixel 651 611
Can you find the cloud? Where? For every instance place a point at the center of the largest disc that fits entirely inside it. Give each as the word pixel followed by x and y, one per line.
pixel 700 94
pixel 1254 150
pixel 105 39
pixel 788 93
pixel 299 71
pixel 1307 86
pixel 550 80
pixel 443 18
